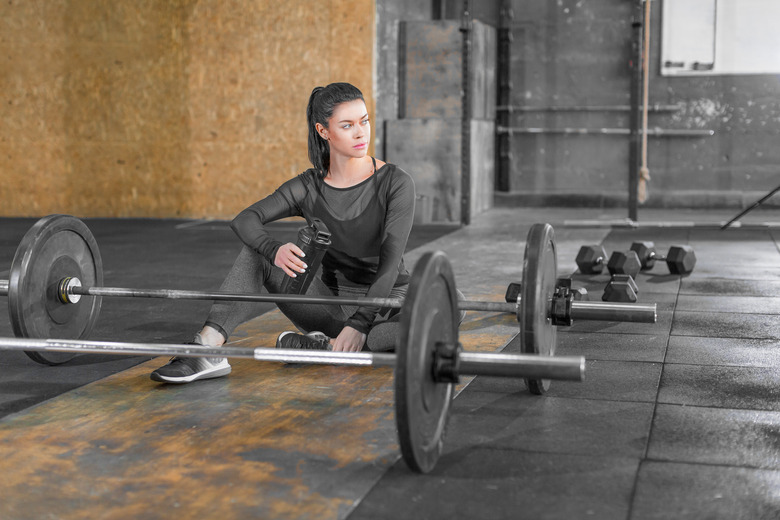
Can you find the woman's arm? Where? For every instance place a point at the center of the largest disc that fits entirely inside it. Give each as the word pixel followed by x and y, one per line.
pixel 398 224
pixel 249 225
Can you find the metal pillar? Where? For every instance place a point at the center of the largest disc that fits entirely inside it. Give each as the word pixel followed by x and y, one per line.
pixel 635 113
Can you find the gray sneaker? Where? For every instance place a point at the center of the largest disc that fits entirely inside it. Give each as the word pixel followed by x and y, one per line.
pixel 312 341
pixel 187 369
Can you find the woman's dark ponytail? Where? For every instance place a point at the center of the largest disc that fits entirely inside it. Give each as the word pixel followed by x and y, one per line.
pixel 322 103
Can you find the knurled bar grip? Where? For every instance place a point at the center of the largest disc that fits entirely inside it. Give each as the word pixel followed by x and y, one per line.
pixel 471 363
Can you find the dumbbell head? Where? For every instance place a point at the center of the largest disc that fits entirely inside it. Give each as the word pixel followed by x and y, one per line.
pixel 621 288
pixel 590 259
pixel 580 294
pixel 627 279
pixel 646 253
pixel 512 292
pixel 624 262
pixel 681 259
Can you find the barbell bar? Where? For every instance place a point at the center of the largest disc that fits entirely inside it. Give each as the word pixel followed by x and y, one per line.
pixel 469 363
pixel 598 311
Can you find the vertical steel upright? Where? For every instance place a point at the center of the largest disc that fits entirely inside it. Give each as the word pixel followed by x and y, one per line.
pixel 504 110
pixel 635 115
pixel 467 19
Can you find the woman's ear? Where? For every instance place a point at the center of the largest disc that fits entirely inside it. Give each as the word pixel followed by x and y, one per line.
pixel 322 131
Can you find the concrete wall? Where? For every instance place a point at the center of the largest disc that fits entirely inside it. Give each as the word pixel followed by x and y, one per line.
pixel 431 80
pixel 430 149
pixel 389 15
pixel 426 139
pixel 570 52
pixel 184 108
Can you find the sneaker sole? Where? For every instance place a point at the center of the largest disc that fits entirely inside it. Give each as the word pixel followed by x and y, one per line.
pixel 217 371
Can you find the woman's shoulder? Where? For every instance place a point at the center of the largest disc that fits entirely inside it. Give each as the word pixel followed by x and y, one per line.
pixel 395 183
pixel 308 176
pixel 393 173
pixel 298 188
pixel 303 180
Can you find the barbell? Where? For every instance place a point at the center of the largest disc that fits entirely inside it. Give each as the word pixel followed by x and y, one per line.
pixel 58 263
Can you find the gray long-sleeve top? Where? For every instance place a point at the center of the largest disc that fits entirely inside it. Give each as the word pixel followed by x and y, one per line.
pixel 369 224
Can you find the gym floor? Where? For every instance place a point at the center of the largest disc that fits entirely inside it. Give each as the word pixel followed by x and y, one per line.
pixel 677 419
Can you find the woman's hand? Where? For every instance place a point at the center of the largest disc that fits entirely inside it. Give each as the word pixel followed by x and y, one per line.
pixel 288 258
pixel 349 340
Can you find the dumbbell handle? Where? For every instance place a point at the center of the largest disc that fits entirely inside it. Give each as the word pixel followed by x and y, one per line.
pixel 653 255
pixel 599 260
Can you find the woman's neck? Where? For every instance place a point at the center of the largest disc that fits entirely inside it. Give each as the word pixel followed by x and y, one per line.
pixel 349 171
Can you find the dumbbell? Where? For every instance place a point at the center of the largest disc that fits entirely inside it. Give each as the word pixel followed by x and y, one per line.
pixel 621 288
pixel 679 259
pixel 590 260
pixel 513 290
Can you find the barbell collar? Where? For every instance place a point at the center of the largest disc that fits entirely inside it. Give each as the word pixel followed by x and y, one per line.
pixel 518 365
pixel 606 311
pixel 4 287
pixel 471 363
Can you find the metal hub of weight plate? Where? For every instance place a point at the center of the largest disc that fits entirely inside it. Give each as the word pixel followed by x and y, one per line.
pixel 56 247
pixel 422 405
pixel 540 267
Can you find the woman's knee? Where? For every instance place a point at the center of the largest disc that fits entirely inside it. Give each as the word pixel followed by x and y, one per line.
pixel 251 271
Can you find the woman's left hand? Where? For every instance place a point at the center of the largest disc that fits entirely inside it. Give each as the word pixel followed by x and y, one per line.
pixel 349 340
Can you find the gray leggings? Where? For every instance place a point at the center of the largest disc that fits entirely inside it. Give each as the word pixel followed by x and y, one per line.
pixel 252 272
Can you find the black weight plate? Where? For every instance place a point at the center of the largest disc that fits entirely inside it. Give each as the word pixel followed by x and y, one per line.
pixel 57 246
pixel 422 405
pixel 540 267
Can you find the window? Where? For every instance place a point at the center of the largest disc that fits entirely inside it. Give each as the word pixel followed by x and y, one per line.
pixel 720 37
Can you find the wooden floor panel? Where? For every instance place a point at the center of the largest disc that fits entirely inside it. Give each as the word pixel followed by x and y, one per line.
pixel 269 441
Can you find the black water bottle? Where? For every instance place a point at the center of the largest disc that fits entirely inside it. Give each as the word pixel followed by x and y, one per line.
pixel 313 241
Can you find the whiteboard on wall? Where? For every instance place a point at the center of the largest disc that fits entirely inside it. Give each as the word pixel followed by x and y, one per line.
pixel 703 37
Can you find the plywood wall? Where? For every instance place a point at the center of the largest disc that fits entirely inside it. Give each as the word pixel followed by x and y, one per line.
pixel 121 108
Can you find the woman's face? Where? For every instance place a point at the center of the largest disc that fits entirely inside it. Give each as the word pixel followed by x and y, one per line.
pixel 349 130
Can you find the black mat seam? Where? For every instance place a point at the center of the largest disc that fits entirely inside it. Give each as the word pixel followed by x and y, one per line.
pixel 762 338
pixel 712 407
pixel 569 397
pixel 711 464
pixel 724 312
pixel 549 452
pixel 777 244
pixel 635 487
pixel 776 365
pixel 614 333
